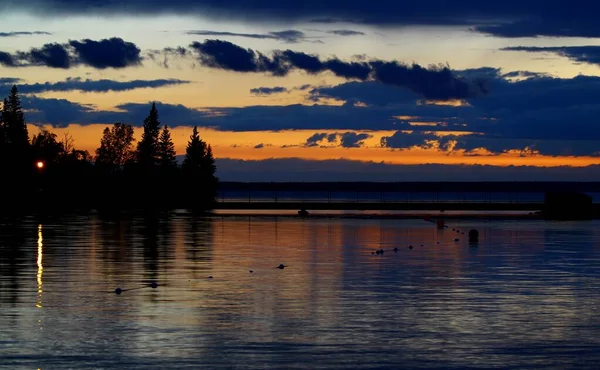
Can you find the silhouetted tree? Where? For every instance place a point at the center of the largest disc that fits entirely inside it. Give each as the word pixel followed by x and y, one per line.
pixel 16 137
pixel 148 147
pixel 116 147
pixel 44 146
pixel 14 121
pixel 199 169
pixel 166 151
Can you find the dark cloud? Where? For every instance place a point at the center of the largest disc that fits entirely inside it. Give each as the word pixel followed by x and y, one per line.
pixel 9 80
pixel 106 53
pixel 277 90
pixel 436 82
pixel 87 85
pixel 471 144
pixel 49 55
pixel 23 33
pixel 581 54
pixel 268 90
pixel 544 115
pixel 296 169
pixel 352 139
pixel 286 36
pixel 524 74
pixel 509 18
pixel 7 59
pixel 346 139
pixel 346 33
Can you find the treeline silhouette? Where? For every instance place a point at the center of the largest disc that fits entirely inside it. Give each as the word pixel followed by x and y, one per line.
pixel 49 172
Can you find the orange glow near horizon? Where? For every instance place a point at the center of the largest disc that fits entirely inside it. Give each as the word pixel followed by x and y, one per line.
pixel 261 145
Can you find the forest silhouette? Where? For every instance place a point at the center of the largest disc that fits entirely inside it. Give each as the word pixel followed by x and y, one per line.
pixel 45 171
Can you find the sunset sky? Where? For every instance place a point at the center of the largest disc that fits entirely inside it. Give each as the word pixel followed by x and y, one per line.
pixel 323 90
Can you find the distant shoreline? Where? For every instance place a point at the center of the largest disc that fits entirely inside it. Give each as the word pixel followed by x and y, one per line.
pixel 261 214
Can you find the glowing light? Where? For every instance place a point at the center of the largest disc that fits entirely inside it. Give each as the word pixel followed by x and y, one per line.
pixel 40 164
pixel 40 267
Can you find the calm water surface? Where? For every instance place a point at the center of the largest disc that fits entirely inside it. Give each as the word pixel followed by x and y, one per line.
pixel 527 297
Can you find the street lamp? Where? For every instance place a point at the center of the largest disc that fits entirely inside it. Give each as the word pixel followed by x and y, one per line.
pixel 40 165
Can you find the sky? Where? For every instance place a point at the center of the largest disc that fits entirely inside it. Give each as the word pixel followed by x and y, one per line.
pixel 385 90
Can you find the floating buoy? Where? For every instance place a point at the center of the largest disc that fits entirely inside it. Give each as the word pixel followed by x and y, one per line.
pixel 473 236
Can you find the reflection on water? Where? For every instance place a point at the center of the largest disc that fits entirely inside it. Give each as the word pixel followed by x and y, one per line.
pixel 526 296
pixel 40 267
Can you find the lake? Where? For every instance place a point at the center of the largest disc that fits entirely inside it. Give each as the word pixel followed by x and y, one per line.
pixel 527 296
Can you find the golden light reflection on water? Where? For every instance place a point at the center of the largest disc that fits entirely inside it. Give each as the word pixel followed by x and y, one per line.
pixel 40 270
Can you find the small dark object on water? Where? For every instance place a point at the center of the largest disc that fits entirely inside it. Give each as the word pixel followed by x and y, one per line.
pixel 395 249
pixel 154 285
pixel 118 291
pixel 303 213
pixel 210 276
pixel 473 236
pixel 421 245
pixel 251 271
pixel 281 266
pixel 456 240
pixel 410 247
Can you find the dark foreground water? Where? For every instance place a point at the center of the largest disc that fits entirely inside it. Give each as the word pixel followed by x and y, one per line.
pixel 527 297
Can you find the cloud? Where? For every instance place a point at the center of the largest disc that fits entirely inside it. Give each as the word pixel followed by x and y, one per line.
pixel 296 169
pixel 581 54
pixel 107 53
pixel 509 18
pixel 346 139
pixel 346 33
pixel 87 85
pixel 435 82
pixel 545 115
pixel 9 80
pixel 23 33
pixel 286 36
pixel 268 90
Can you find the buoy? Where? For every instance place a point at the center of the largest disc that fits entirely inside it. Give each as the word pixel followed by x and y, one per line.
pixel 440 224
pixel 473 236
pixel 118 290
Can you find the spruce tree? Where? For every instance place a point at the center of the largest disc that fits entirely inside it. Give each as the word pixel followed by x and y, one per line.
pixel 16 138
pixel 194 155
pixel 199 170
pixel 147 149
pixel 166 151
pixel 15 129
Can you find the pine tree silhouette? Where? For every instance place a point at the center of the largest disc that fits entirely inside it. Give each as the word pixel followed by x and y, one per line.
pixel 147 149
pixel 16 136
pixel 166 151
pixel 199 170
pixel 194 154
